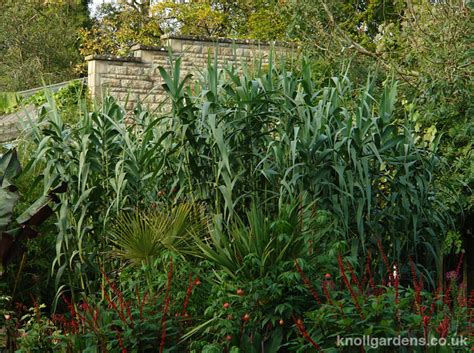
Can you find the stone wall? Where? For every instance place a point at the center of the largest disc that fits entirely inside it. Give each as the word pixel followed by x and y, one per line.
pixel 137 78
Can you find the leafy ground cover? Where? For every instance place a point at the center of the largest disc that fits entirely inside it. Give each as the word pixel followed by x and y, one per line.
pixel 8 102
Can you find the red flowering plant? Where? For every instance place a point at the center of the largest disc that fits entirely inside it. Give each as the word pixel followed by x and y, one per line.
pixel 37 333
pixel 126 316
pixel 354 305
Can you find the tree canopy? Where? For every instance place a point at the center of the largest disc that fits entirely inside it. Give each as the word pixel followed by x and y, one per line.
pixel 39 42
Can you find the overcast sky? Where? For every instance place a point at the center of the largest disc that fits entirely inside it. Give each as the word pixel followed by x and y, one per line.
pixel 94 5
pixel 96 2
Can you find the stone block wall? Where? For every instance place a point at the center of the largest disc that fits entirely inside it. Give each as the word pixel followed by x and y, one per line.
pixel 137 79
pixel 8 130
pixel 10 126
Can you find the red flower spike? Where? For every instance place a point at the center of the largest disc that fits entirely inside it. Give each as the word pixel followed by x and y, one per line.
pixel 426 322
pixel 354 278
pixel 119 339
pixel 189 292
pixel 417 284
pixel 349 287
pixel 443 328
pixel 385 260
pixel 308 284
pixel 300 326
pixel 326 292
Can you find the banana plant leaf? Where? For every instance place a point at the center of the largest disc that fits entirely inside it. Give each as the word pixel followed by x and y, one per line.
pixel 8 199
pixel 9 166
pixel 13 234
pixel 12 241
pixel 37 213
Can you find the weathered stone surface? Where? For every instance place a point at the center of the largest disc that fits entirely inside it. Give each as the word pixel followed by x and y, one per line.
pixel 11 124
pixel 116 69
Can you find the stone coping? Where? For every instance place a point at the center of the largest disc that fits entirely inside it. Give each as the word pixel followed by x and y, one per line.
pixel 226 40
pixel 148 48
pixel 134 59
pixel 165 37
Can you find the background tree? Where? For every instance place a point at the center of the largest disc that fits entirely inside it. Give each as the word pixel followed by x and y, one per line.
pixel 196 18
pixel 261 19
pixel 118 27
pixel 39 42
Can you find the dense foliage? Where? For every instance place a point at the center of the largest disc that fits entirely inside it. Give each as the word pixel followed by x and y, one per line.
pixel 118 27
pixel 265 208
pixel 246 186
pixel 424 45
pixel 38 42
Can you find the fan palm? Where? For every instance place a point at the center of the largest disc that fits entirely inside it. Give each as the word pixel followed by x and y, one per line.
pixel 141 237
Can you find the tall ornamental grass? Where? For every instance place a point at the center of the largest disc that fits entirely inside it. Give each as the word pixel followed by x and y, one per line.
pixel 272 134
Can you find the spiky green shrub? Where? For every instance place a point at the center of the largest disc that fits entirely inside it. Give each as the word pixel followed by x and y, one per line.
pixel 251 246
